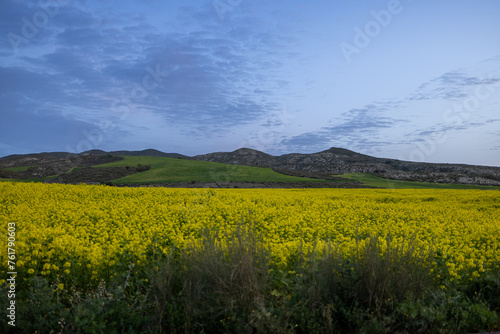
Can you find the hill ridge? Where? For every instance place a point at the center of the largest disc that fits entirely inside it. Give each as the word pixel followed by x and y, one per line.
pixel 340 161
pixel 332 161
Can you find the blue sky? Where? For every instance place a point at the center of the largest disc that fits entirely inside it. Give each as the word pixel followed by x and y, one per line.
pixel 414 80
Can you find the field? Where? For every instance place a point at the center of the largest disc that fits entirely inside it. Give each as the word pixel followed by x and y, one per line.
pixel 18 169
pixel 181 170
pixel 194 173
pixel 240 260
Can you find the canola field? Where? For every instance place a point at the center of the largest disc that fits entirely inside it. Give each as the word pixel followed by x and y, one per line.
pixel 74 233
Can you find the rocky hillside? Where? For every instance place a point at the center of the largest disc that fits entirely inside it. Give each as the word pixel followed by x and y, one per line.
pixel 243 156
pixel 47 164
pixel 334 161
pixel 341 161
pixel 143 153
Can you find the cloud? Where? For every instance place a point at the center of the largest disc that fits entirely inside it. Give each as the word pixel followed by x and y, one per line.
pixel 90 62
pixel 358 127
pixel 452 85
pixel 81 37
pixel 17 79
pixel 443 128
pixel 424 111
pixel 11 15
pixel 27 125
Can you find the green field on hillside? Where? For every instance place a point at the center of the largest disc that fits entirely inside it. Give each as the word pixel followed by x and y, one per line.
pixel 375 181
pixel 182 170
pixel 166 170
pixel 17 169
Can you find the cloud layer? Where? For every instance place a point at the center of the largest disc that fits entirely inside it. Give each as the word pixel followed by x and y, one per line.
pixel 192 77
pixel 83 68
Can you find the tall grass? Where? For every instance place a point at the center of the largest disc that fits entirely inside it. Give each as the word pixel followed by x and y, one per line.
pixel 338 289
pixel 229 283
pixel 217 284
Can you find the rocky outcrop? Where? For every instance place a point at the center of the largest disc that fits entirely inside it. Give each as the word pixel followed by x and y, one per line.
pixel 44 164
pixel 337 161
pixel 243 156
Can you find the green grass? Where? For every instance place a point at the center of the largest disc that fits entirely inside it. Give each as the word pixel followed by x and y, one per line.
pixel 375 181
pixel 18 169
pixel 164 170
pixel 181 170
pixel 40 179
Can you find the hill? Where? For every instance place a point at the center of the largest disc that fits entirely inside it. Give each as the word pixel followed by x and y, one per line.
pixel 192 172
pixel 242 156
pixel 243 165
pixel 143 153
pixel 340 161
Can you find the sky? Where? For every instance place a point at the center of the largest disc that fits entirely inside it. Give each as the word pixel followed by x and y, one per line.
pixel 414 80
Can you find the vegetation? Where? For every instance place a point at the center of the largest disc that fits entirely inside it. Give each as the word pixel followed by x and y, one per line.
pixel 17 169
pixel 182 170
pixel 375 181
pixel 150 170
pixel 96 259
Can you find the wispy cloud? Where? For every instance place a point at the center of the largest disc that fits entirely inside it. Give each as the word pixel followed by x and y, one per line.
pixel 451 85
pixel 375 125
pixel 353 130
pixel 169 74
pixel 85 62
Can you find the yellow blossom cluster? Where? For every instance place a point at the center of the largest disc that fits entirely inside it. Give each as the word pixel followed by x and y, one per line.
pixel 65 230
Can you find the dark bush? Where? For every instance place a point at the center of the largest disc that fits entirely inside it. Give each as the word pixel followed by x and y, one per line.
pixel 143 168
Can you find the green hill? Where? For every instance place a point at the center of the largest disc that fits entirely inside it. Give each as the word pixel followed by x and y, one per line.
pixel 180 170
pixel 164 170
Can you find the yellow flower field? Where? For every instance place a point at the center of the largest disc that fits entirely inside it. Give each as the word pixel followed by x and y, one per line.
pixel 63 229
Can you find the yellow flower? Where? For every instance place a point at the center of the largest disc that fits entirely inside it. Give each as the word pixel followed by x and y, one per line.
pixel 80 225
pixel 60 286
